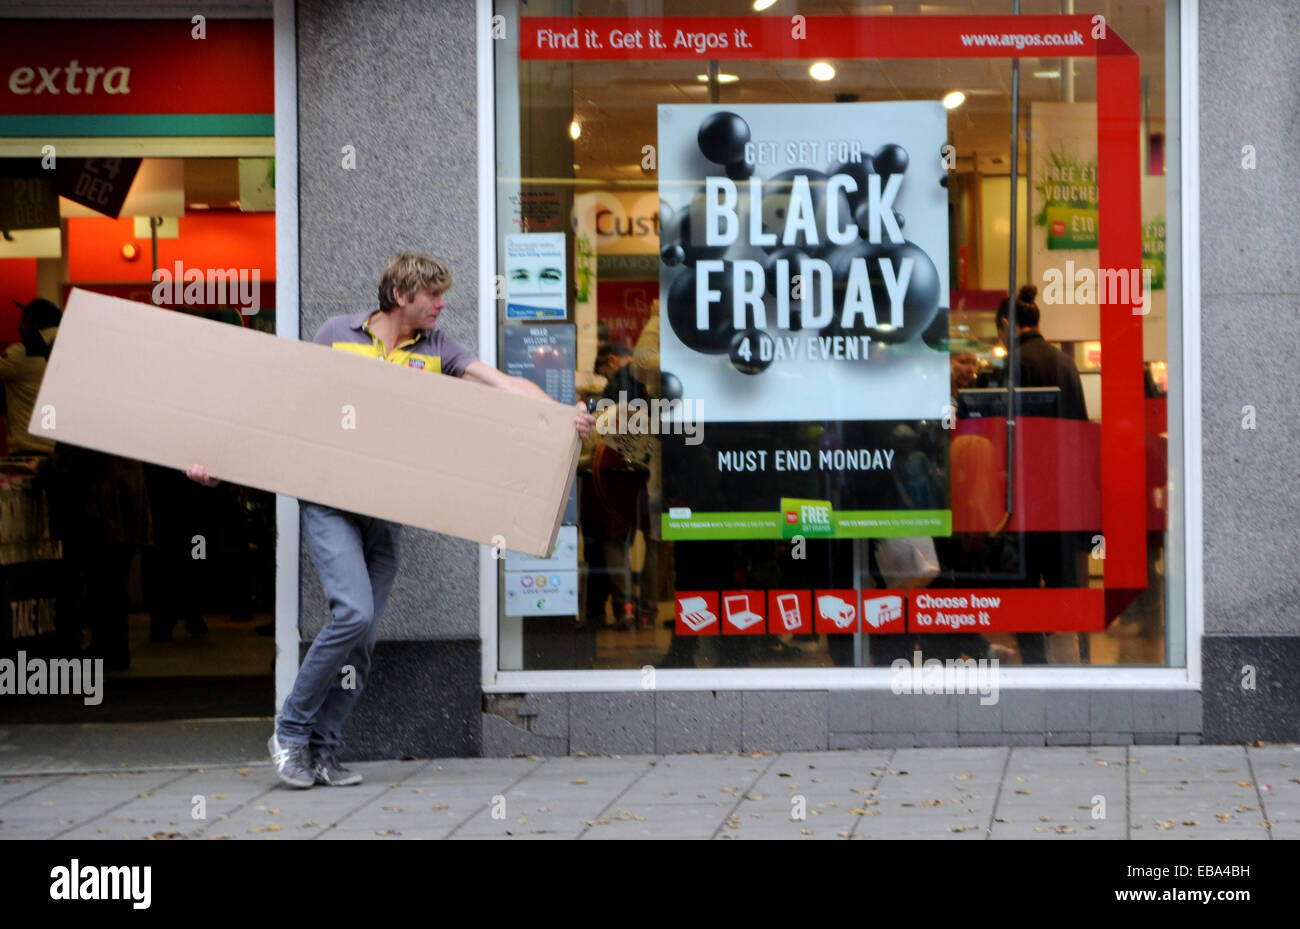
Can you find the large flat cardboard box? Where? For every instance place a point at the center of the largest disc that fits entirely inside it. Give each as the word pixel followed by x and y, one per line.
pixel 300 419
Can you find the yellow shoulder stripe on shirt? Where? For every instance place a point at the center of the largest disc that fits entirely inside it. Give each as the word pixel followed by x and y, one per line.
pixel 432 363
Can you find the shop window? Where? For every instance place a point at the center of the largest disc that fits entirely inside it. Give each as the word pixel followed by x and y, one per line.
pixel 781 250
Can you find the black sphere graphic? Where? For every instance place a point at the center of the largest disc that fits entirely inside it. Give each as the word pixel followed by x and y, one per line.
pixel 722 138
pixel 891 159
pixel 716 338
pixel 685 232
pixel 751 351
pixel 672 255
pixel 740 171
pixel 860 171
pixel 920 302
pixel 777 195
pixel 670 386
pixel 793 258
pixel 936 334
pixel 862 216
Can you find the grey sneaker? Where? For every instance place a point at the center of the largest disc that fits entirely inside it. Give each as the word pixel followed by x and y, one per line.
pixel 292 762
pixel 332 774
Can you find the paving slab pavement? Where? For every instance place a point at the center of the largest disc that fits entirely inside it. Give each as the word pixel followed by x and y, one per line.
pixel 142 784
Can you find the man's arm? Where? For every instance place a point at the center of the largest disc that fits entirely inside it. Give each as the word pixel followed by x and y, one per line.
pixel 480 373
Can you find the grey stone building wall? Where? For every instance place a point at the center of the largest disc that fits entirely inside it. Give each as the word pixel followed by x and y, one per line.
pixel 1250 312
pixel 395 80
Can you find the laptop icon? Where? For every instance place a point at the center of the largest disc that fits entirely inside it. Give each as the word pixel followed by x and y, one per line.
pixel 695 615
pixel 736 609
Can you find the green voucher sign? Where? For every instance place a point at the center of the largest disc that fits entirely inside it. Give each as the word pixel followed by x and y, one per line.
pixel 680 523
pixel 1153 250
pixel 1067 188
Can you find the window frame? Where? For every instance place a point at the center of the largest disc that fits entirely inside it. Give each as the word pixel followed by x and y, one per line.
pixel 1185 497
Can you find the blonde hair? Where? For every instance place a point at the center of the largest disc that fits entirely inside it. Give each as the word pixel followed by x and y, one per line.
pixel 409 273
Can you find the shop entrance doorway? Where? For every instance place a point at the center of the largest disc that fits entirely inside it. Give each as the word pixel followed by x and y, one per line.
pixel 170 584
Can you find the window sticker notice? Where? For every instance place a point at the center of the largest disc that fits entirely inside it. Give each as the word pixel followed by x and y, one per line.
pixel 545 355
pixel 535 276
pixel 541 593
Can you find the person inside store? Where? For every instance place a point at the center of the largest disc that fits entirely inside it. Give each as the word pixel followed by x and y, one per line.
pixel 964 368
pixel 22 368
pixel 603 531
pixel 1038 362
pixel 98 505
pixel 177 587
pixel 356 555
pixel 624 485
pixel 1049 558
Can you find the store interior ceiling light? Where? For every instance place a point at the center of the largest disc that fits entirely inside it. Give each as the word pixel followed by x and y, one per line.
pixel 1047 74
pixel 953 100
pixel 761 5
pixel 722 78
pixel 574 130
pixel 821 71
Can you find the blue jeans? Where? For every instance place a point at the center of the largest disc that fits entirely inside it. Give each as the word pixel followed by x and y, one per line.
pixel 356 558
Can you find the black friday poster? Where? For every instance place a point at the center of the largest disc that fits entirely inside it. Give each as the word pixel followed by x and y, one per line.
pixel 813 165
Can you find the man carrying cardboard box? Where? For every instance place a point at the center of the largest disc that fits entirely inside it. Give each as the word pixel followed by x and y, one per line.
pixel 356 555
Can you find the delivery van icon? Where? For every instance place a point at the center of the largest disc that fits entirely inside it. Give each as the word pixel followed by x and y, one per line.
pixel 835 610
pixel 880 610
